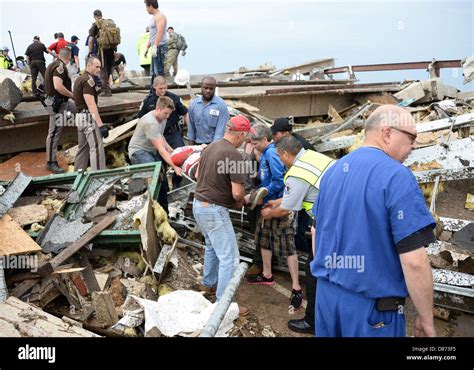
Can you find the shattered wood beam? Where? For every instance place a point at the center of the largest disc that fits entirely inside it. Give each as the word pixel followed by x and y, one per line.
pixel 445 123
pixel 395 66
pixel 49 266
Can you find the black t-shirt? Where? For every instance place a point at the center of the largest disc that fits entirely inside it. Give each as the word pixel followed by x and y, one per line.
pixel 35 51
pixel 419 239
pixel 149 104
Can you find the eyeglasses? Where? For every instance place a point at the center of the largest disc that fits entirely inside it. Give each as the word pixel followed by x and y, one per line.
pixel 409 134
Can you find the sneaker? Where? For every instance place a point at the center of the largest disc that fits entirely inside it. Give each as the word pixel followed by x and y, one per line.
pixel 256 197
pixel 254 270
pixel 54 167
pixel 260 280
pixel 296 300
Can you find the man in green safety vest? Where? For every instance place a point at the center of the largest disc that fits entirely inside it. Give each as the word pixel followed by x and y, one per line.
pixel 145 59
pixel 306 168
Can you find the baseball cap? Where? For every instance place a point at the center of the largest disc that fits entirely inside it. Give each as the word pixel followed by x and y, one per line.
pixel 281 124
pixel 74 38
pixel 97 13
pixel 240 123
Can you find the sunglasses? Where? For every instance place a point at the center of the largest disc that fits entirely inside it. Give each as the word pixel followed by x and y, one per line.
pixel 411 136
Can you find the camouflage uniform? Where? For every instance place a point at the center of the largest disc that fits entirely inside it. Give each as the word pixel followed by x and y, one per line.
pixel 172 55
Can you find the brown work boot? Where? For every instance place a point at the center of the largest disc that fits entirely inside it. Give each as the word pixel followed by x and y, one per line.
pixel 254 270
pixel 207 289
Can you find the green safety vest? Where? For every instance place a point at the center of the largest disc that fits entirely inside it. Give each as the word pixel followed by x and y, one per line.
pixel 310 168
pixel 141 49
pixel 4 64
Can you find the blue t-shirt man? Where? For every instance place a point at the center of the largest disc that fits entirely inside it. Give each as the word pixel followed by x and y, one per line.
pixel 367 205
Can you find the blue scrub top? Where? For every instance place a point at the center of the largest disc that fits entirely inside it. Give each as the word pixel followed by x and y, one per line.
pixel 367 203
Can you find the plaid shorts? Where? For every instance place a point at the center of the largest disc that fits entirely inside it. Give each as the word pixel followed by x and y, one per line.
pixel 277 235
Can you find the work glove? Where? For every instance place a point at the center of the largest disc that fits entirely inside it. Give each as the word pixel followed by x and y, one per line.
pixel 104 131
pixel 154 51
pixel 183 53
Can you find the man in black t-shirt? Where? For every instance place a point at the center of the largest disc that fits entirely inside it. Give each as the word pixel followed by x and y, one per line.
pixel 35 54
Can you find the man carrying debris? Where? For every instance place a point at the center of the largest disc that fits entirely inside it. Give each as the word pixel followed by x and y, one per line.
pixel 372 225
pixel 148 143
pixel 172 131
pixel 220 188
pixel 305 170
pixel 58 105
pixel 276 235
pixel 208 115
pixel 35 54
pixel 90 128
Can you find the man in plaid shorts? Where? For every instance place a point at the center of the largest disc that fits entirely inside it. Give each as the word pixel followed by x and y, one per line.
pixel 277 235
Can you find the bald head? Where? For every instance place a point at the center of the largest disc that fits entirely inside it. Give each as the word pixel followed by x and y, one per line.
pixel 392 129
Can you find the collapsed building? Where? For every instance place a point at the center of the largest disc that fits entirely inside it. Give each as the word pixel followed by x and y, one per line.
pixel 102 258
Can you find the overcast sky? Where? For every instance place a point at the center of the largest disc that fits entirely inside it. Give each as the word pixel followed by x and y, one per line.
pixel 225 35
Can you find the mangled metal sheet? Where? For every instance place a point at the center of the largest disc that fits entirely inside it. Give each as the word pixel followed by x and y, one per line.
pixel 60 233
pixel 445 123
pixel 453 224
pixel 14 191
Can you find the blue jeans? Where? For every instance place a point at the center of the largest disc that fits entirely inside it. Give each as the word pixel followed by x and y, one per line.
pixel 221 256
pixel 158 62
pixel 142 156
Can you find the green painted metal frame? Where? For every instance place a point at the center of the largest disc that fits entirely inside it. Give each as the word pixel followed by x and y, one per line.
pixel 83 181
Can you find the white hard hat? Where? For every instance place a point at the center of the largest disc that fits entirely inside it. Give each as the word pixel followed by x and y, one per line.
pixel 182 77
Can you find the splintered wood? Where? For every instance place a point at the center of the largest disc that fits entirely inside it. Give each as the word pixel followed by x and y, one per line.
pixel 14 240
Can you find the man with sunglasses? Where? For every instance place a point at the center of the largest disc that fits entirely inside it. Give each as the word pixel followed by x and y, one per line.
pixel 372 225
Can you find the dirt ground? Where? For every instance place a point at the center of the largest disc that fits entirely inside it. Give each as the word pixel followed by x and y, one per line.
pixel 450 203
pixel 269 308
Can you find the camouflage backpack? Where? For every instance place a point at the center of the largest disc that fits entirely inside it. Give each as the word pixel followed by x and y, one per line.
pixel 109 34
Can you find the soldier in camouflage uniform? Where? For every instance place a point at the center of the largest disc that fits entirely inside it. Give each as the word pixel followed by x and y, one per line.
pixel 176 43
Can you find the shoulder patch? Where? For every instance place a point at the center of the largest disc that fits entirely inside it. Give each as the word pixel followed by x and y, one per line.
pixel 60 69
pixel 91 82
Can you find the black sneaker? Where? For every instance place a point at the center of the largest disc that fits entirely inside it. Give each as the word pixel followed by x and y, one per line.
pixel 256 197
pixel 296 300
pixel 260 280
pixel 54 167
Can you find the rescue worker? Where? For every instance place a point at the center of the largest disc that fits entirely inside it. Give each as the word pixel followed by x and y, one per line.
pixel 35 54
pixel 372 225
pixel 58 105
pixel 90 128
pixel 305 170
pixel 5 61
pixel 145 60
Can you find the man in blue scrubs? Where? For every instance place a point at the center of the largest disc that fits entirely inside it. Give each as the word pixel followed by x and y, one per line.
pixel 372 225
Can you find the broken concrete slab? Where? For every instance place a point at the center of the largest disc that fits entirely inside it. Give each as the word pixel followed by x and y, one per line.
pixel 411 94
pixel 10 95
pixel 59 233
pixel 436 90
pixel 464 238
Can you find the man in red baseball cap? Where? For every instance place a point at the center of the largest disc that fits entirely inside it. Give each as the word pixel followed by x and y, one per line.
pixel 220 186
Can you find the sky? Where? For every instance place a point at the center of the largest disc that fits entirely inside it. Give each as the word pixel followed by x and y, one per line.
pixel 225 35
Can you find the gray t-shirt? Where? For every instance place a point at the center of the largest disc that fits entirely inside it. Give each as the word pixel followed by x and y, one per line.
pixel 297 191
pixel 147 129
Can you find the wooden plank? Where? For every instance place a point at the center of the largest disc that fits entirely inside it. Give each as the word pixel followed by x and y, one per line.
pixel 31 321
pixel 23 287
pixel 28 215
pixel 14 240
pixel 31 164
pixel 50 266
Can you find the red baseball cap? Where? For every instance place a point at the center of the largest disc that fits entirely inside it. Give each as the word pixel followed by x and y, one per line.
pixel 240 123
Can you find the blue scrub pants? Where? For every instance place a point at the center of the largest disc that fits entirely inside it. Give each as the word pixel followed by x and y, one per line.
pixel 342 313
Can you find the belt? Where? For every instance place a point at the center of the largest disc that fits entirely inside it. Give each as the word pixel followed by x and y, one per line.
pixel 390 303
